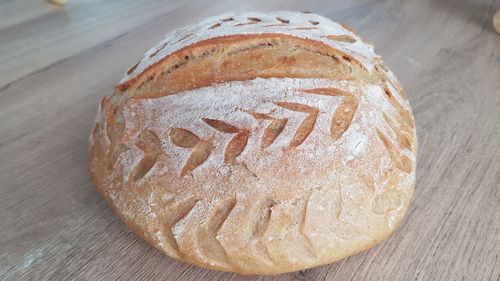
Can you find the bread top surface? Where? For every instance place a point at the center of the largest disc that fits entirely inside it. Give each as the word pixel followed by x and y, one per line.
pixel 300 25
pixel 309 159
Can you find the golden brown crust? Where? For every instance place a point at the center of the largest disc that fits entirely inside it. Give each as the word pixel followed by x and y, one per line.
pixel 182 56
pixel 300 155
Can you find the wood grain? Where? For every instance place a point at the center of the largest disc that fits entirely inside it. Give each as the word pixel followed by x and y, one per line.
pixel 56 63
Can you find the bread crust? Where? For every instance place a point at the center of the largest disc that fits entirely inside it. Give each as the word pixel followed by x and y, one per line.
pixel 257 149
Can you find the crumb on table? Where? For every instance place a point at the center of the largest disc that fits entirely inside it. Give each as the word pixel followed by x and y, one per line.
pixel 59 2
pixel 496 21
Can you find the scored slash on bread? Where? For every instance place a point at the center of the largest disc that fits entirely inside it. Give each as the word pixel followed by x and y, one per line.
pixel 257 143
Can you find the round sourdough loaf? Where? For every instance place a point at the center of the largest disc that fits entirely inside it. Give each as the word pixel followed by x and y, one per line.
pixel 257 143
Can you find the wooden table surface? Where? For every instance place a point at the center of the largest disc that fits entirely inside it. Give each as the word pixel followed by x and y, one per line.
pixel 56 63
